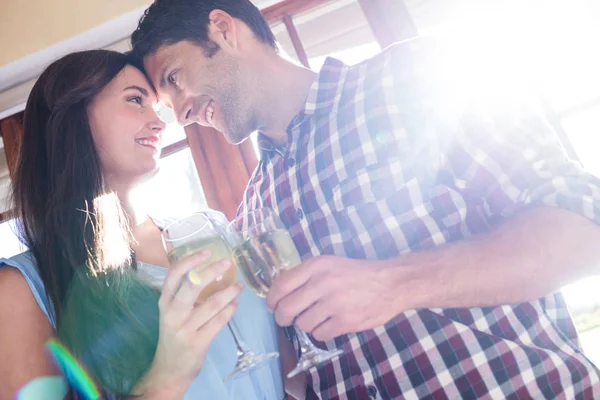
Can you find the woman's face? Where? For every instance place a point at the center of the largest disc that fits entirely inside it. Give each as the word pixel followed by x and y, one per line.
pixel 126 130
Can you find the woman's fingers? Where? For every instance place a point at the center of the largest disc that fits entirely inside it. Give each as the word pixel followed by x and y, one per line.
pixel 178 272
pixel 211 328
pixel 214 311
pixel 196 281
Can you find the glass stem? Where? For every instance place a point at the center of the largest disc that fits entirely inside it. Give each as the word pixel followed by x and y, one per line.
pixel 241 346
pixel 306 345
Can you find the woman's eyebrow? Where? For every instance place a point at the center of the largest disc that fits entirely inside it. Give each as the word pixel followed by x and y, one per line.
pixel 139 89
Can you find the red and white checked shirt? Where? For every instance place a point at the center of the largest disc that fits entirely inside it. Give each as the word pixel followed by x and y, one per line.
pixel 384 160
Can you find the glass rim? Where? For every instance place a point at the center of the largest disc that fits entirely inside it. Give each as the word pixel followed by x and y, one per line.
pixel 269 213
pixel 254 211
pixel 179 220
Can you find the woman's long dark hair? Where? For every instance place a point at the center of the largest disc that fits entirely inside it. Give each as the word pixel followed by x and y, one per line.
pixel 58 181
pixel 66 216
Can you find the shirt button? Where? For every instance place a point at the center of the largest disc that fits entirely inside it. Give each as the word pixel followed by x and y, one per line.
pixel 299 213
pixel 372 392
pixel 291 162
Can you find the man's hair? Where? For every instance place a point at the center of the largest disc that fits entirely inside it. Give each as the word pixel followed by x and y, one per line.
pixel 168 22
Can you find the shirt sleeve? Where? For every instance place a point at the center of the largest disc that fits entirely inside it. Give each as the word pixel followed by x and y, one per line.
pixel 479 129
pixel 513 159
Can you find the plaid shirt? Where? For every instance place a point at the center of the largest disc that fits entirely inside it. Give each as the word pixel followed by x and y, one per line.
pixel 382 161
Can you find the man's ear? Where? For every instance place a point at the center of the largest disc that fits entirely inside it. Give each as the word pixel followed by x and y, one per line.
pixel 223 30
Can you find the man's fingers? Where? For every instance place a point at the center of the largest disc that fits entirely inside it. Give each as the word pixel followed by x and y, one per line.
pixel 297 302
pixel 314 316
pixel 287 282
pixel 328 330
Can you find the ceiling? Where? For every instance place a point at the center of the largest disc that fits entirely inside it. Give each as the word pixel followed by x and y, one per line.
pixel 39 24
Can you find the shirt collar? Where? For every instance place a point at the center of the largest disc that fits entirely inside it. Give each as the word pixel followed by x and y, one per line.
pixel 325 91
pixel 323 96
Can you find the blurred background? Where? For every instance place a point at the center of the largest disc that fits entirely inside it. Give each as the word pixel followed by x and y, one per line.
pixel 553 44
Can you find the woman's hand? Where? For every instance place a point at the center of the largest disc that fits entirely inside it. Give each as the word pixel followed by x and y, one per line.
pixel 186 328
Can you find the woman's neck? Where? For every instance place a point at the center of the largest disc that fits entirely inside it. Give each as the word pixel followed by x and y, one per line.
pixel 147 242
pixel 135 215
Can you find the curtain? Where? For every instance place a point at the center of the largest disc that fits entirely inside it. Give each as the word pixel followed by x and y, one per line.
pixel 224 169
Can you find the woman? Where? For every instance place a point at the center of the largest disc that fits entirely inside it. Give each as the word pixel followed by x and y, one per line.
pixel 91 135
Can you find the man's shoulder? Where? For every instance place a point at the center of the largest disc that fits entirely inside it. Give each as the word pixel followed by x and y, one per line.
pixel 420 48
pixel 414 66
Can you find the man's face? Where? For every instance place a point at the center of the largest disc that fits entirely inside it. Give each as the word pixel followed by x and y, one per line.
pixel 204 84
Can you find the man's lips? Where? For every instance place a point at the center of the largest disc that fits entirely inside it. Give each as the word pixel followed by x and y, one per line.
pixel 206 113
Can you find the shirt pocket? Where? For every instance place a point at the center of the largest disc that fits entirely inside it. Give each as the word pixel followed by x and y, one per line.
pixel 383 208
pixel 371 183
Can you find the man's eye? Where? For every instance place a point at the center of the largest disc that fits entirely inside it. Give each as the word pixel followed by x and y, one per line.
pixel 135 99
pixel 173 78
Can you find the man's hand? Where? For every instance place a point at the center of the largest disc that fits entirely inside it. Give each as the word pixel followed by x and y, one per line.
pixel 330 296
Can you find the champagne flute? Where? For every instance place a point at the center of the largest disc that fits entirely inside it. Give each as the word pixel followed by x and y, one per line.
pixel 192 234
pixel 264 249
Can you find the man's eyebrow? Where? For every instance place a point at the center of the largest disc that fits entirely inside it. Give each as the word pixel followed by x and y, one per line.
pixel 139 89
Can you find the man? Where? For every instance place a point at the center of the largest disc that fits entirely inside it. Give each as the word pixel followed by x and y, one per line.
pixel 436 225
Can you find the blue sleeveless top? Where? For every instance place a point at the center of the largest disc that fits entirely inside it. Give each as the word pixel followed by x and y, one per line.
pixel 253 320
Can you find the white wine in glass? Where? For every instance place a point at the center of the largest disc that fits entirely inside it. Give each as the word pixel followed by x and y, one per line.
pixel 197 232
pixel 252 268
pixel 219 250
pixel 264 249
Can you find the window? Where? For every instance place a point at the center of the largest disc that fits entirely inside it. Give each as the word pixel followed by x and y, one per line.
pixel 173 133
pixel 10 243
pixel 176 188
pixel 583 129
pixel 4 180
pixel 584 304
pixel 338 29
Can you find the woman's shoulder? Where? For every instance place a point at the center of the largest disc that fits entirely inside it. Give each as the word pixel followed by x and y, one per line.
pixel 26 266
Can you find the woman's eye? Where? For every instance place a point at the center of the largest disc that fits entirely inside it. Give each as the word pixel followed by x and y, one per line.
pixel 135 99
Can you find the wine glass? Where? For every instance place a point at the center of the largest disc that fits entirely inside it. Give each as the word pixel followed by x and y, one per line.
pixel 196 232
pixel 264 248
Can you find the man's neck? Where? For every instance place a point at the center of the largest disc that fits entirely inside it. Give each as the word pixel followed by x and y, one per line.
pixel 285 92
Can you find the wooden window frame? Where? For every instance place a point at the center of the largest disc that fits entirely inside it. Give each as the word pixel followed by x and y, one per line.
pixel 224 169
pixel 174 148
pixel 284 12
pixel 374 11
pixel 11 129
pixel 5 216
pixel 277 12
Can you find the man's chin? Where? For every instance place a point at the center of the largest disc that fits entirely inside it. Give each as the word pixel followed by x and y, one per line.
pixel 234 138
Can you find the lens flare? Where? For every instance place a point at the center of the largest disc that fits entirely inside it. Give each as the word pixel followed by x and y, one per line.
pixel 44 388
pixel 74 372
